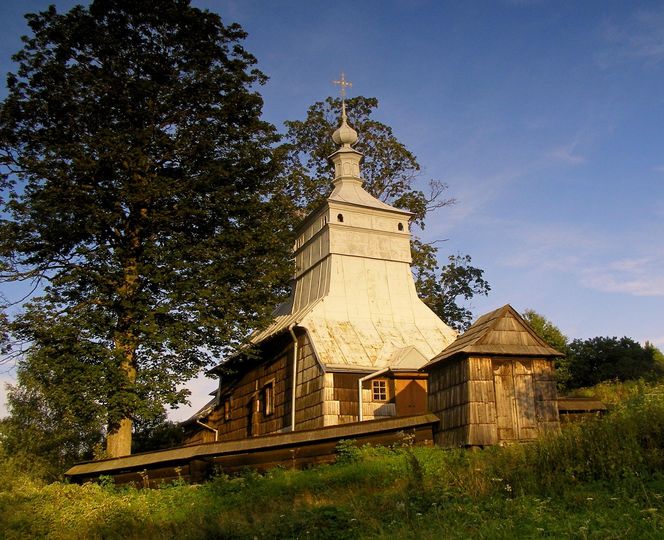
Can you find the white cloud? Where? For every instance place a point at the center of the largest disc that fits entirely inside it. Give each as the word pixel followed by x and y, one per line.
pixel 634 276
pixel 566 154
pixel 585 254
pixel 640 37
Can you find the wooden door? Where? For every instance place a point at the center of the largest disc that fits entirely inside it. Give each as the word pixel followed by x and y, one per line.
pixel 515 400
pixel 411 396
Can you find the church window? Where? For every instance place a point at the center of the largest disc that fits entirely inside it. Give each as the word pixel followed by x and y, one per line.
pixel 268 398
pixel 340 218
pixel 379 390
pixel 400 226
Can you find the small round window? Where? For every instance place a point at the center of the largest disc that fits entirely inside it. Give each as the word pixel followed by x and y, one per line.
pixel 400 226
pixel 340 218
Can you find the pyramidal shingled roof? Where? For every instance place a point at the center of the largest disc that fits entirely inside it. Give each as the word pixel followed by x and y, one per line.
pixel 500 332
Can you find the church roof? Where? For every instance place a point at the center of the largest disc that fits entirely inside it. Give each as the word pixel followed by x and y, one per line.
pixel 353 193
pixel 500 332
pixel 361 343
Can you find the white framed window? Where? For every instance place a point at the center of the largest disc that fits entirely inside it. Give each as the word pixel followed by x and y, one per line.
pixel 379 390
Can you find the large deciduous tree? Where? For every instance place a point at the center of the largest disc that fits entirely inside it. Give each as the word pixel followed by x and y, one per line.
pixel 139 190
pixel 390 173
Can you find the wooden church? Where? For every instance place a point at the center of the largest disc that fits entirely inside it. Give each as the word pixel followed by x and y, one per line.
pixel 354 342
pixel 349 343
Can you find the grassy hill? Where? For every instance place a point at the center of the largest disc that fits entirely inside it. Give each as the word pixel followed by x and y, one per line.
pixel 599 479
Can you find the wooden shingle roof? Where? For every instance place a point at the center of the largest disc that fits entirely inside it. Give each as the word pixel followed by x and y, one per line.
pixel 500 332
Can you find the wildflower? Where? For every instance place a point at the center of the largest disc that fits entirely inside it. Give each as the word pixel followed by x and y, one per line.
pixel 508 488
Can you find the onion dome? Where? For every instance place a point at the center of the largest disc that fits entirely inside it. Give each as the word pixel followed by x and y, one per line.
pixel 344 135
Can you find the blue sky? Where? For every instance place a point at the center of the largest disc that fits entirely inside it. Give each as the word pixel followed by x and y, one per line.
pixel 546 119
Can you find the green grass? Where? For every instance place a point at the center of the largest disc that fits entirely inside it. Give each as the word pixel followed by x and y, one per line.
pixel 601 479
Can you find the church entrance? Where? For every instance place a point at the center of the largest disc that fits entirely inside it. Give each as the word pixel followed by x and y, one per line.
pixel 515 399
pixel 411 396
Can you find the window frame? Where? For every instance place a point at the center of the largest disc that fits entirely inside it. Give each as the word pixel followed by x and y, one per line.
pixel 227 408
pixel 267 398
pixel 379 390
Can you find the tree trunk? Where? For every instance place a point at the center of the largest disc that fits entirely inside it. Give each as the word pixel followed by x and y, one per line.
pixel 118 441
pixel 118 438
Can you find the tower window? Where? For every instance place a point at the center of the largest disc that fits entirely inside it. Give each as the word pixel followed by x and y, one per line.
pixel 400 226
pixel 340 218
pixel 379 390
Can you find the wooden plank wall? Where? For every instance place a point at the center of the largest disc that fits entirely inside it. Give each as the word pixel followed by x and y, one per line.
pixel 546 395
pixel 246 406
pixel 246 398
pixel 481 403
pixel 448 399
pixel 310 388
pixel 486 400
pixel 343 391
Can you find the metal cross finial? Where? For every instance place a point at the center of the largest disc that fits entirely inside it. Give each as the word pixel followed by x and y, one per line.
pixel 344 84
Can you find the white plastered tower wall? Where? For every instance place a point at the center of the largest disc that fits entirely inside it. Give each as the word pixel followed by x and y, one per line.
pixel 354 292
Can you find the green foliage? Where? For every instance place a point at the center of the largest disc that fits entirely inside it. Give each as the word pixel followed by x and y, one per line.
pixel 347 451
pixel 156 434
pixel 442 288
pixel 615 392
pixel 545 329
pixel 52 434
pixel 599 359
pixel 550 333
pixel 140 193
pixel 390 172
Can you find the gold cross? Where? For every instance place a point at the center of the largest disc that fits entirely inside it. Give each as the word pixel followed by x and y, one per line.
pixel 344 84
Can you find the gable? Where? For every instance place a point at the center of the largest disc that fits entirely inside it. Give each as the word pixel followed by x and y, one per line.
pixel 500 332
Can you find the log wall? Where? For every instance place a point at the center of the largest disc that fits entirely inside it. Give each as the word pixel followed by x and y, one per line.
pixel 448 399
pixel 482 403
pixel 310 389
pixel 546 395
pixel 488 400
pixel 321 399
pixel 247 401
